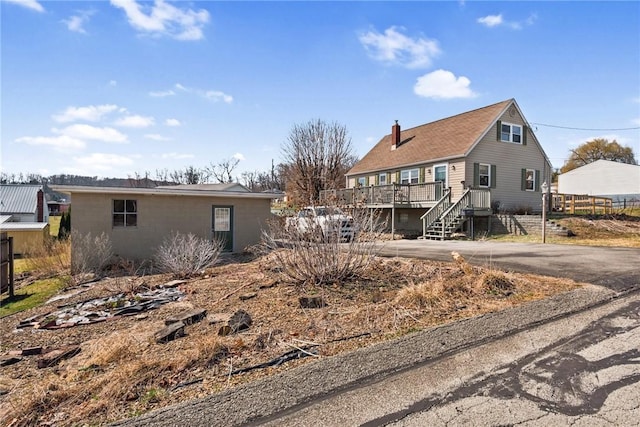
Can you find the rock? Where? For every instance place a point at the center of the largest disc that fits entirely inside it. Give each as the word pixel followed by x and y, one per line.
pixel 170 333
pixel 54 357
pixel 10 361
pixel 245 297
pixel 174 283
pixel 187 317
pixel 238 322
pixel 219 318
pixel 312 302
pixel 269 285
pixel 30 351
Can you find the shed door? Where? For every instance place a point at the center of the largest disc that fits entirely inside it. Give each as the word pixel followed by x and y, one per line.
pixel 223 225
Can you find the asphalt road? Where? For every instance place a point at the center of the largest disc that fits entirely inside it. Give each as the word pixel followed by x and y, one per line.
pixel 568 360
pixel 615 268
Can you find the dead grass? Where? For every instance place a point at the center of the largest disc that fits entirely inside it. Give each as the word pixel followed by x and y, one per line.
pixel 121 371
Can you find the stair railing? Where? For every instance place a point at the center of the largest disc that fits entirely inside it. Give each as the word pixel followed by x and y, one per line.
pixel 434 213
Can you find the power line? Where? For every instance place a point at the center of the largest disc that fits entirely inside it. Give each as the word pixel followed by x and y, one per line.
pixel 590 129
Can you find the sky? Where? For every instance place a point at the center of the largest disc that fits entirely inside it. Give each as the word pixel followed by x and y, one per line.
pixel 123 87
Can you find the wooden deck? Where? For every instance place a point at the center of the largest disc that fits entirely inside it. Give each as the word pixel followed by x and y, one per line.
pixel 392 195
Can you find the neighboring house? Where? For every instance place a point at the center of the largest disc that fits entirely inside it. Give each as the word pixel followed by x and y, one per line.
pixel 484 158
pixel 57 208
pixel 138 220
pixel 24 216
pixel 605 178
pixel 25 203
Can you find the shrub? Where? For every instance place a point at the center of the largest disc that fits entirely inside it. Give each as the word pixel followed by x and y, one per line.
pixel 316 258
pixel 51 258
pixel 90 254
pixel 185 255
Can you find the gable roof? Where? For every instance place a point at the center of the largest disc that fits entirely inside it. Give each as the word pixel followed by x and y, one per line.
pixel 19 198
pixel 446 138
pixel 231 186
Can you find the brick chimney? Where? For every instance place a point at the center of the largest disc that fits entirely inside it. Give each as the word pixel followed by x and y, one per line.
pixel 40 206
pixel 395 135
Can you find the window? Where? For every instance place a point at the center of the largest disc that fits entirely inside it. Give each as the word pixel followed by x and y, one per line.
pixel 484 175
pixel 409 176
pixel 362 181
pixel 382 179
pixel 511 133
pixel 125 213
pixel 530 180
pixel 440 174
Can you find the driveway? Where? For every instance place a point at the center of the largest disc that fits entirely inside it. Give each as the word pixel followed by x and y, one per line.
pixel 614 268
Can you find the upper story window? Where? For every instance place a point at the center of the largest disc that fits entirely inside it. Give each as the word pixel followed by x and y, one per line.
pixel 409 176
pixel 484 176
pixel 382 179
pixel 362 181
pixel 125 213
pixel 511 133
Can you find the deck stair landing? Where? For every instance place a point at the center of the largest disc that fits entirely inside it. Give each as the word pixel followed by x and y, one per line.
pixel 445 218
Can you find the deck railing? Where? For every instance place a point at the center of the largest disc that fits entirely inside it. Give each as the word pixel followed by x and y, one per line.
pixel 580 204
pixel 391 194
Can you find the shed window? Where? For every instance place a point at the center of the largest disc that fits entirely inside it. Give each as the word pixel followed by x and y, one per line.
pixel 125 213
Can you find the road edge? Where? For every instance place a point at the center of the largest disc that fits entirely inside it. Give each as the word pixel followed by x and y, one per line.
pixel 258 400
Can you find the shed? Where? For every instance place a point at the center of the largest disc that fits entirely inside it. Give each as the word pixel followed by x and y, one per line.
pixel 27 236
pixel 138 220
pixel 606 178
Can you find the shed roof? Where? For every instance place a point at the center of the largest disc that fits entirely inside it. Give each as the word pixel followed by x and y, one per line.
pixel 23 226
pixel 231 186
pixel 234 192
pixel 19 198
pixel 446 138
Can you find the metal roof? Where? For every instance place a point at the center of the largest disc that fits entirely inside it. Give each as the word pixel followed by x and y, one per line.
pixel 23 226
pixel 21 199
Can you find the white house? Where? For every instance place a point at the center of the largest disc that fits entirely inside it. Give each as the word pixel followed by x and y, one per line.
pixel 605 178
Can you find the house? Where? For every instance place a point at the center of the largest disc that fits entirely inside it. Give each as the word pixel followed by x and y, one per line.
pixel 24 216
pixel 605 178
pixel 429 176
pixel 137 220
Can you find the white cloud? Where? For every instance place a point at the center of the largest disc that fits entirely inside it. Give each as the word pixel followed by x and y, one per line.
pixel 395 48
pixel 497 20
pixel 162 93
pixel 177 156
pixel 491 20
pixel 164 19
pixel 172 122
pixel 157 137
pixel 91 113
pixel 239 156
pixel 29 4
pixel 103 161
pixel 636 121
pixel 84 132
pixel 76 22
pixel 62 142
pixel 216 95
pixel 135 121
pixel 113 83
pixel 443 84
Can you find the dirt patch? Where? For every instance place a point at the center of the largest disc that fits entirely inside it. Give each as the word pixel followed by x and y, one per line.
pixel 121 370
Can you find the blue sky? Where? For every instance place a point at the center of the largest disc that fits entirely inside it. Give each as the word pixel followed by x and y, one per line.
pixel 111 88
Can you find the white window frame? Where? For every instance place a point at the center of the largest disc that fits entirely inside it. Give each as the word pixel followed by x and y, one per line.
pixel 410 176
pixel 382 179
pixel 361 181
pixel 480 175
pixel 446 173
pixel 532 180
pixel 511 134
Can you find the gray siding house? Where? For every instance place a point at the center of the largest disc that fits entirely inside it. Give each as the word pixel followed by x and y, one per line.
pixel 429 176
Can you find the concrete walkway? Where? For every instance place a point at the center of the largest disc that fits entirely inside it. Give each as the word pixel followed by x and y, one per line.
pixel 273 398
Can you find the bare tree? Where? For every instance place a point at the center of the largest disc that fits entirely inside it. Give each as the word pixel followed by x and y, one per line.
pixel 318 155
pixel 190 175
pixel 222 172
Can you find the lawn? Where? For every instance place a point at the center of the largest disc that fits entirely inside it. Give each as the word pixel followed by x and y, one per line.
pixel 54 225
pixel 32 295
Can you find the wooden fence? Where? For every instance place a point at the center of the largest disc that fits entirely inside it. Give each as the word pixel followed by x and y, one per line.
pixel 6 267
pixel 580 204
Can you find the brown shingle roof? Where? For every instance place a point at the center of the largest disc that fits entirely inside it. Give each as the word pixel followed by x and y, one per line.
pixel 450 137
